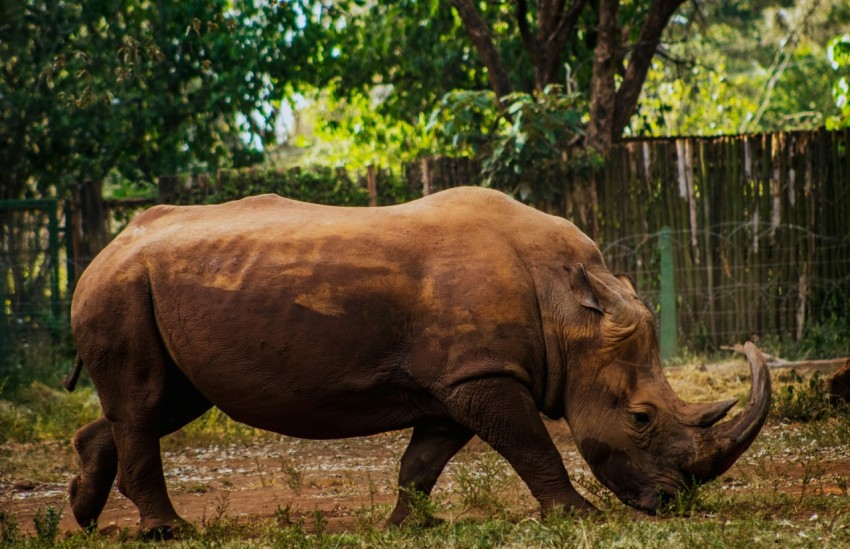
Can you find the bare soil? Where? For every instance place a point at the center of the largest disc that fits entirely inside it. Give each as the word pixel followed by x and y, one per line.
pixel 285 479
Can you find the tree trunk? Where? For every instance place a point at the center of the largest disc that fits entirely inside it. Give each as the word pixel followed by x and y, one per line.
pixel 610 108
pixel 600 131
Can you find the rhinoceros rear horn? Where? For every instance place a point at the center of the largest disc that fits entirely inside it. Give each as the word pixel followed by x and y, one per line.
pixel 731 439
pixel 706 415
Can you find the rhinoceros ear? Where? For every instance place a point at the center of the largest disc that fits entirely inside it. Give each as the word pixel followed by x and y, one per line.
pixel 582 290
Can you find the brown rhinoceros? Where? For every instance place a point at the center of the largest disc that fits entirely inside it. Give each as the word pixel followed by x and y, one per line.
pixel 464 313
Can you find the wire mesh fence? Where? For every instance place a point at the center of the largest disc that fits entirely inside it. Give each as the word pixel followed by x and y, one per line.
pixel 33 324
pixel 734 297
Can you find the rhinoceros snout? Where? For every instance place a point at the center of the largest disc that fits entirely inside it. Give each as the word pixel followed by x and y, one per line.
pixel 651 503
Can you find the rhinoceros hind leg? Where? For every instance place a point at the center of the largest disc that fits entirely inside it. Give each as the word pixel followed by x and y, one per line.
pixel 431 446
pixel 502 412
pixel 99 459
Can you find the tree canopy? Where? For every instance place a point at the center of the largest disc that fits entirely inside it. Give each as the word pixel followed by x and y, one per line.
pixel 136 88
pixel 133 89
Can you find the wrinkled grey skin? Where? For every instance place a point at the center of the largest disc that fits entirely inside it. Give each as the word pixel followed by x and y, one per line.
pixel 458 314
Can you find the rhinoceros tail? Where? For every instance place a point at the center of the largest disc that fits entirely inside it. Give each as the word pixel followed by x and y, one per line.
pixel 70 383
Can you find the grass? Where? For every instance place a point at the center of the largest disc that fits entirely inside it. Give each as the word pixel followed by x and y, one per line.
pixel 741 525
pixel 789 490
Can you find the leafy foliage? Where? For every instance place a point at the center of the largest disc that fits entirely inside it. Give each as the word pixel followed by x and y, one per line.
pixel 9 533
pixel 413 51
pixel 525 152
pixel 824 339
pixel 743 67
pixel 39 412
pixel 357 131
pixel 802 399
pixel 318 185
pixel 838 52
pixel 46 524
pixel 137 88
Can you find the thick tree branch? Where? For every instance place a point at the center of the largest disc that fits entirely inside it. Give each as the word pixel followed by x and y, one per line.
pixel 566 22
pixel 522 23
pixel 481 38
pixel 528 40
pixel 640 61
pixel 553 36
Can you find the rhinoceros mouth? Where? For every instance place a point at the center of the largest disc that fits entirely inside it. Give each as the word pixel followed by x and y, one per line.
pixel 651 504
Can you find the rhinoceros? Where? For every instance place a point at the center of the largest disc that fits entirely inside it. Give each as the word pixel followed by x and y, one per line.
pixel 462 313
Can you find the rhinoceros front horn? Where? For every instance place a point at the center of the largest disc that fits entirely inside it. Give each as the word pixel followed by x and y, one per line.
pixel 725 442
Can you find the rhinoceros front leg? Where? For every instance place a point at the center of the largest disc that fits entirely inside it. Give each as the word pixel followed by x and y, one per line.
pixel 502 412
pixel 432 445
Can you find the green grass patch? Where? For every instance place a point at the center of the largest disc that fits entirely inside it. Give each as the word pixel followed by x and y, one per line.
pixel 41 413
pixel 748 527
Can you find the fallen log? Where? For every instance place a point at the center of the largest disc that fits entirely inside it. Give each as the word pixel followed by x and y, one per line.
pixel 825 366
pixel 837 385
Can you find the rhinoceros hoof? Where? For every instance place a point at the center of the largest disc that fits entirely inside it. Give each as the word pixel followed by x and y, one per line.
pixel 82 506
pixel 164 532
pixel 410 521
pixel 581 509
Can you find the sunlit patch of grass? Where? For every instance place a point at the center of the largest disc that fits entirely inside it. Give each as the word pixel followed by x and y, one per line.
pixel 42 413
pixel 215 427
pixel 702 381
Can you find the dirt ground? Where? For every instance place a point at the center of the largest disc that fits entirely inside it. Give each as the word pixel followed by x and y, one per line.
pixel 341 479
pixel 347 480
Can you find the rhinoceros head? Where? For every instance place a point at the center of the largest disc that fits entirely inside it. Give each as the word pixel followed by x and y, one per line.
pixel 640 440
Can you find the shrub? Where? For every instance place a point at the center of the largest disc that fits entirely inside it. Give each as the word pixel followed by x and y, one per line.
pixel 802 400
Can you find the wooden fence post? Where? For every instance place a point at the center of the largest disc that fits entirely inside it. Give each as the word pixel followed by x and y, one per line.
pixel 88 224
pixel 426 177
pixel 372 185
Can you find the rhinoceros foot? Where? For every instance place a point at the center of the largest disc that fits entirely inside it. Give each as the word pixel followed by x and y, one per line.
pixel 87 501
pixel 179 529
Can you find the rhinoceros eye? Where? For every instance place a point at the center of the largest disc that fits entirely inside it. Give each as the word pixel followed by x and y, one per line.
pixel 641 418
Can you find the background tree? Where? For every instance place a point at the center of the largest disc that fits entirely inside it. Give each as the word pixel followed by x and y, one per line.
pixel 412 61
pixel 730 67
pixel 137 89
pixel 625 43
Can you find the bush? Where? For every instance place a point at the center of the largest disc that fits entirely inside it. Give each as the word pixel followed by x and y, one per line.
pixel 802 400
pixel 319 185
pixel 43 413
pixel 826 339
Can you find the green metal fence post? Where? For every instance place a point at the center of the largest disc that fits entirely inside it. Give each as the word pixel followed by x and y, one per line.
pixel 668 296
pixel 4 322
